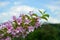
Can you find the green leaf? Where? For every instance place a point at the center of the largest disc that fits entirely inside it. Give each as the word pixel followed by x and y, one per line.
pixel 32 22
pixel 40 12
pixel 27 16
pixel 46 15
pixel 34 15
pixel 14 24
pixel 22 24
pixel 1 32
pixel 44 18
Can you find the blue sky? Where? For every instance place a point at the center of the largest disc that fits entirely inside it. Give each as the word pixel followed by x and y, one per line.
pixel 8 8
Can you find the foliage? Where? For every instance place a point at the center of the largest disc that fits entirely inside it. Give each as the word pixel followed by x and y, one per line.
pixel 44 15
pixel 46 32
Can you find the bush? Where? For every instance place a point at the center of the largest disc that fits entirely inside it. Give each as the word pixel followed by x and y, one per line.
pixel 46 32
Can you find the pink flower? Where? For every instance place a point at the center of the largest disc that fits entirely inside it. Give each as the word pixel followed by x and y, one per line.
pixel 14 18
pixel 13 32
pixel 19 20
pixel 37 24
pixel 1 27
pixel 9 25
pixel 22 15
pixel 1 35
pixel 27 21
pixel 16 23
pixel 17 30
pixel 8 38
pixel 21 29
pixel 9 30
pixel 30 29
pixel 30 12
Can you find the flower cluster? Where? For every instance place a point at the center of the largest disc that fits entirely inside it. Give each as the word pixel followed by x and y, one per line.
pixel 20 26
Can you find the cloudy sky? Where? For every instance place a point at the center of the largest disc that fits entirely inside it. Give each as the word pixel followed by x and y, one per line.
pixel 8 8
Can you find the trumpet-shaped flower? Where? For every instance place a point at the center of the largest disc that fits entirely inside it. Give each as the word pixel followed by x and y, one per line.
pixel 30 29
pixel 13 32
pixel 37 24
pixel 27 21
pixel 14 18
pixel 19 20
pixel 8 38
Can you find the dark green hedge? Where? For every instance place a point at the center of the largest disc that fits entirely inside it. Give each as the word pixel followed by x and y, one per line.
pixel 46 32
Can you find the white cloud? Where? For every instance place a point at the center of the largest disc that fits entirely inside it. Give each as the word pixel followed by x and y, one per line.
pixel 22 8
pixel 53 8
pixel 54 5
pixel 15 10
pixel 4 21
pixel 55 11
pixel 4 14
pixel 53 20
pixel 2 4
